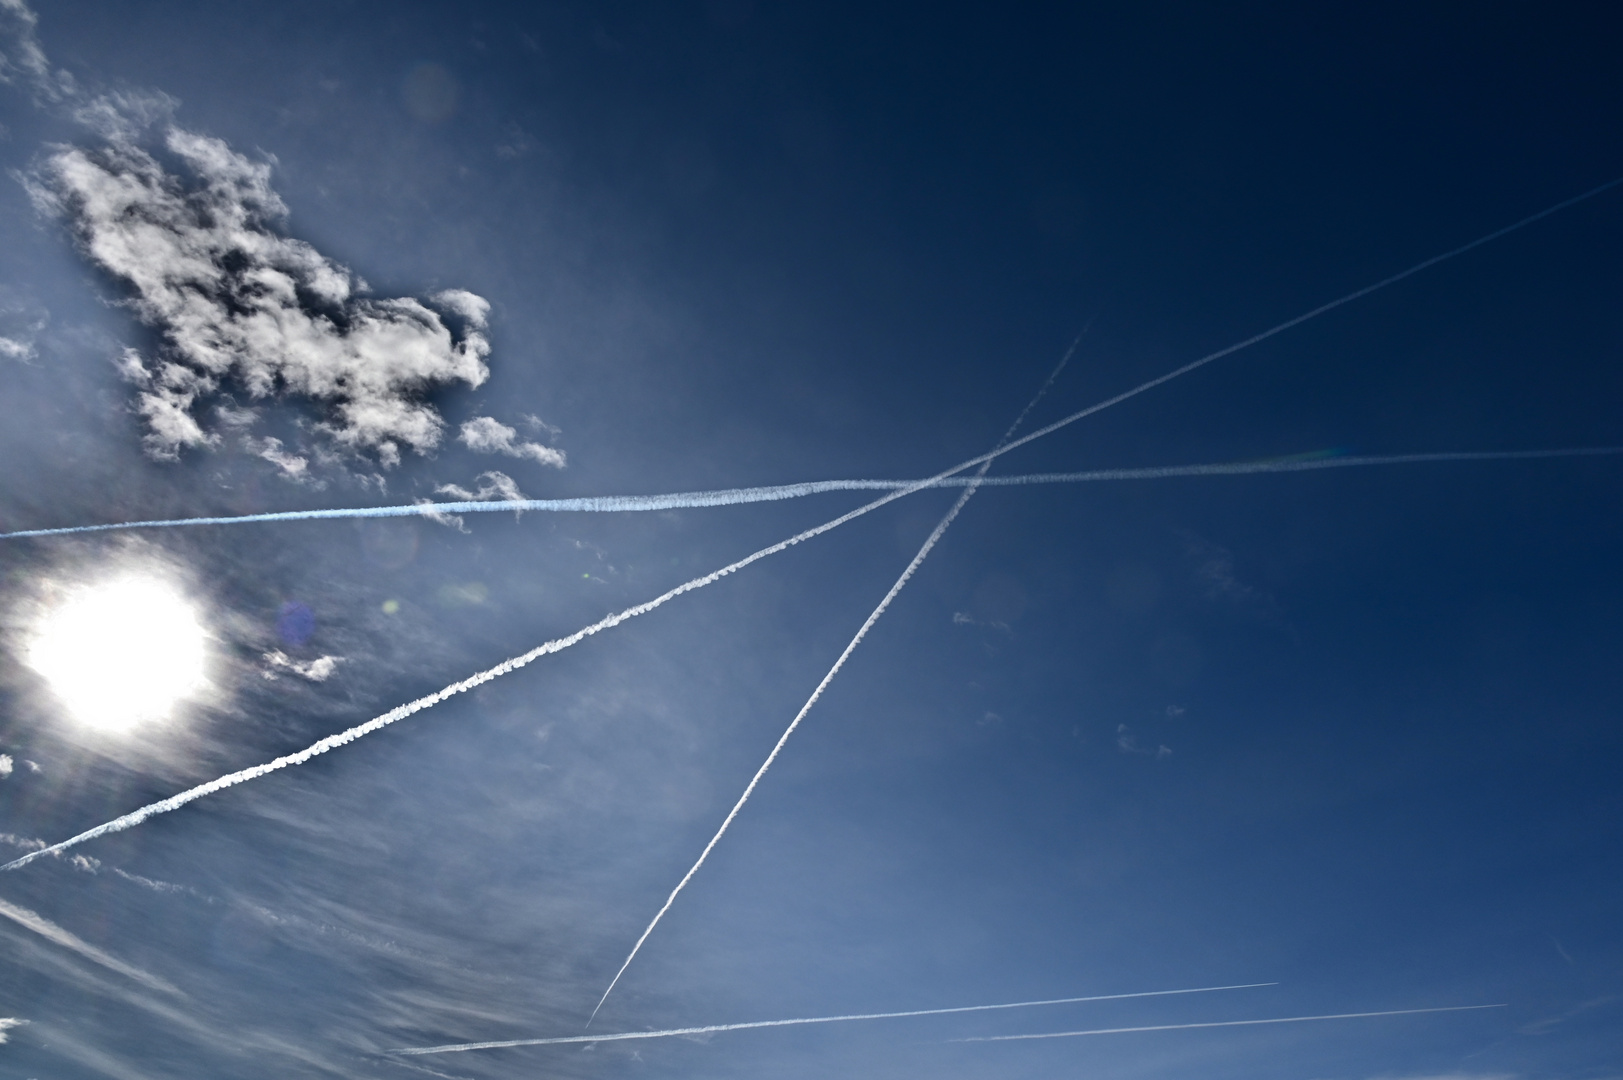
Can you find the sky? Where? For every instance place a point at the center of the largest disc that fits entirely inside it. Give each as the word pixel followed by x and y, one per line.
pixel 1348 731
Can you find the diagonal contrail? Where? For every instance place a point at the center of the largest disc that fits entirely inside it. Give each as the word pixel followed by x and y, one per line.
pixel 47 929
pixel 710 1029
pixel 174 802
pixel 862 632
pixel 788 491
pixel 1224 1023
pixel 691 500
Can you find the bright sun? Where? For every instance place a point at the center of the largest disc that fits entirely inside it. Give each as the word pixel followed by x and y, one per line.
pixel 120 652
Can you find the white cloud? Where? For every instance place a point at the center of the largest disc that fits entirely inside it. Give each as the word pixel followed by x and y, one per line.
pixel 240 305
pixel 487 435
pixel 317 670
pixel 492 485
pixel 6 1024
pixel 21 322
pixel 293 466
pixel 5 766
pixel 21 58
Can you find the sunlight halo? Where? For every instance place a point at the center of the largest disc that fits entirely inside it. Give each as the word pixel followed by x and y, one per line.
pixel 121 653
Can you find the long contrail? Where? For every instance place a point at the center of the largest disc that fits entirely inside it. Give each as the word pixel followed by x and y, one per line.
pixel 688 500
pixel 330 742
pixel 710 1029
pixel 733 496
pixel 1224 1023
pixel 862 632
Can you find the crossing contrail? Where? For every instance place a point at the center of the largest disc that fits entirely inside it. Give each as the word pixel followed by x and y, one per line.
pixel 688 500
pixel 862 632
pixel 710 1029
pixel 1224 1023
pixel 733 496
pixel 174 802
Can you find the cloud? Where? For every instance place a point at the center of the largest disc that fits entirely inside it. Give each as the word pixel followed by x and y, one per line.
pixel 1214 569
pixel 293 466
pixel 493 485
pixel 22 61
pixel 487 435
pixel 318 670
pixel 5 766
pixel 6 1024
pixel 243 308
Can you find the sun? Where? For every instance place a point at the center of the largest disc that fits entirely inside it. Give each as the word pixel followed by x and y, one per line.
pixel 121 653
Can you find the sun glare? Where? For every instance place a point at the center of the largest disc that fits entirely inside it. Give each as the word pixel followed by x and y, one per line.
pixel 121 653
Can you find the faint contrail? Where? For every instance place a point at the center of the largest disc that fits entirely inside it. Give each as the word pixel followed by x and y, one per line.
pixel 738 495
pixel 176 801
pixel 47 929
pixel 1223 1023
pixel 862 632
pixel 709 1029
pixel 688 500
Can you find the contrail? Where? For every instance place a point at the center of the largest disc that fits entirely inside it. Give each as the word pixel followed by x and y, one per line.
pixel 1224 1023
pixel 688 500
pixel 862 632
pixel 330 742
pixel 47 929
pixel 733 496
pixel 400 712
pixel 710 1029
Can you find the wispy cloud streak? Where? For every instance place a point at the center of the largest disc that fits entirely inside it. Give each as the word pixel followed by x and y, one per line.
pixel 862 632
pixel 691 500
pixel 711 1029
pixel 1224 1023
pixel 400 712
pixel 48 930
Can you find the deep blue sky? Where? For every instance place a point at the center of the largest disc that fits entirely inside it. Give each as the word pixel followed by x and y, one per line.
pixel 730 244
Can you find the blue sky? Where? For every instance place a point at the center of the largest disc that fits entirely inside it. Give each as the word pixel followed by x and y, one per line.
pixel 1352 732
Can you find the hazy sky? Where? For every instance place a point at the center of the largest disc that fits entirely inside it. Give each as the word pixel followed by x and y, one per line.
pixel 1349 731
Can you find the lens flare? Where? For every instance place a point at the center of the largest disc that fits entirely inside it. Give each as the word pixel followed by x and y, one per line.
pixel 121 653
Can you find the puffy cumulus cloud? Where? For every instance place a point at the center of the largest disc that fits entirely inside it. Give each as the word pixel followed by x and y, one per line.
pixel 487 435
pixel 6 1024
pixel 244 309
pixel 5 766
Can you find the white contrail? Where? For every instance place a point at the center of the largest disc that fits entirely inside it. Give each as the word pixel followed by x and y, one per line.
pixel 400 712
pixel 710 1029
pixel 1224 1023
pixel 176 801
pixel 732 496
pixel 689 500
pixel 862 632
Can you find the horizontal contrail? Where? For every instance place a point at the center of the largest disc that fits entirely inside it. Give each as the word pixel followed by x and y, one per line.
pixel 862 632
pixel 400 712
pixel 789 491
pixel 710 1029
pixel 1224 1023
pixel 689 500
